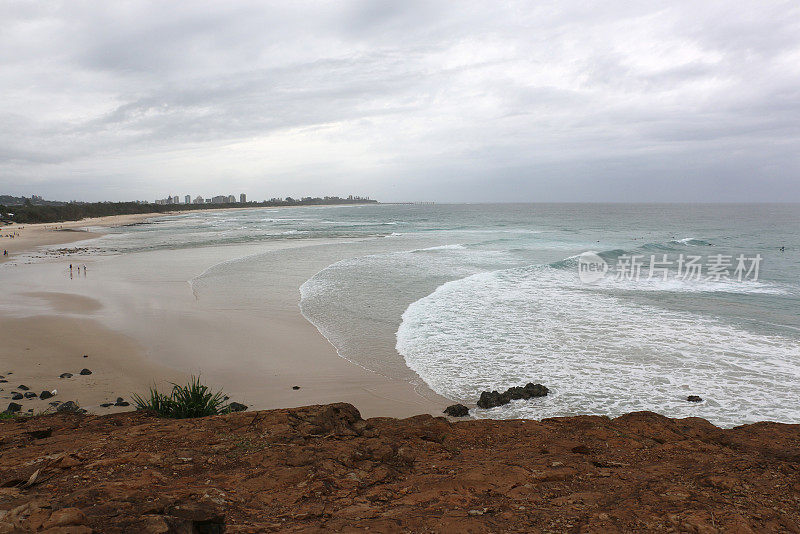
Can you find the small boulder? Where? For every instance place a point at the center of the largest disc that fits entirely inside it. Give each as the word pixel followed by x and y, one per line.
pixel 85 371
pixel 23 387
pixel 85 355
pixel 122 403
pixel 54 403
pixel 44 395
pixel 69 406
pixel 295 388
pixel 491 399
pixel 16 396
pixel 65 375
pixel 120 399
pixel 237 407
pixel 457 410
pixel 107 404
pixel 694 398
pixel 40 433
pixel 13 407
pixel 30 395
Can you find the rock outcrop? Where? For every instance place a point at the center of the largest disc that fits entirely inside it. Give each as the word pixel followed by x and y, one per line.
pixel 325 469
pixel 457 410
pixel 491 399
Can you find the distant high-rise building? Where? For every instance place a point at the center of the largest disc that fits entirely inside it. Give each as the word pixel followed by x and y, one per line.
pixel 219 199
pixel 231 199
pixel 198 199
pixel 242 198
pixel 187 199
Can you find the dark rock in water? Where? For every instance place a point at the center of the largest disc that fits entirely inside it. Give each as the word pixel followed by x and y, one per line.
pixel 237 407
pixel 23 387
pixel 16 396
pixel 694 398
pixel 40 433
pixel 122 403
pixel 13 407
pixel 85 371
pixel 457 410
pixel 295 388
pixel 107 404
pixel 30 395
pixel 65 375
pixel 44 395
pixel 69 406
pixel 491 399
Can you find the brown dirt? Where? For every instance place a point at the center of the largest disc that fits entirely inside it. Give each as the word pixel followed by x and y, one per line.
pixel 322 468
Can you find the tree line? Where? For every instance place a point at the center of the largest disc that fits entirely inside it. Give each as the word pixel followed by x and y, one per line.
pixel 29 213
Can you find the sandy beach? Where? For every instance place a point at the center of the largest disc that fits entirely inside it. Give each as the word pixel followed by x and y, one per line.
pixel 137 320
pixel 28 237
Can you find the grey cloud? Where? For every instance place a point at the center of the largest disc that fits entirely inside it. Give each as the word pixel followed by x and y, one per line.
pixel 403 100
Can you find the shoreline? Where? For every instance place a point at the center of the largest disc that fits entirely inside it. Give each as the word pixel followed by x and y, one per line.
pixel 42 234
pixel 168 335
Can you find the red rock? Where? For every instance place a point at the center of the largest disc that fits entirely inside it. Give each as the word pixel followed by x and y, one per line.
pixel 322 468
pixel 65 517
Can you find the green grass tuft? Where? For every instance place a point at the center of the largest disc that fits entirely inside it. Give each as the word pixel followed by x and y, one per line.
pixel 192 400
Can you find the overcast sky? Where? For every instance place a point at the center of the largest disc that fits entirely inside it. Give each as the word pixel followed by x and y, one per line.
pixel 402 100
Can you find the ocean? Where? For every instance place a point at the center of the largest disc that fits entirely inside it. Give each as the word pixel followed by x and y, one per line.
pixel 466 298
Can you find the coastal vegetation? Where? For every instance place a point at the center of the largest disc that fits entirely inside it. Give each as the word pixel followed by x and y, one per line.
pixel 50 212
pixel 195 399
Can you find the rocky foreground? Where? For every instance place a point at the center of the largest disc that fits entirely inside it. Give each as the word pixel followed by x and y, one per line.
pixel 323 468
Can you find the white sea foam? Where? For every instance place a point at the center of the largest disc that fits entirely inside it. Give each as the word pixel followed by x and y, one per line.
pixel 675 284
pixel 456 246
pixel 599 353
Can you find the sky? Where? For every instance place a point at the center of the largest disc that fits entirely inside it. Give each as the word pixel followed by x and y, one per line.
pixel 403 100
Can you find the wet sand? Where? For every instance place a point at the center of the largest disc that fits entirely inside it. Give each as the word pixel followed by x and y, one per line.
pixel 31 236
pixel 137 318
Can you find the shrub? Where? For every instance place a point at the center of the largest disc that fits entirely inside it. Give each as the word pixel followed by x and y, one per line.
pixel 192 400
